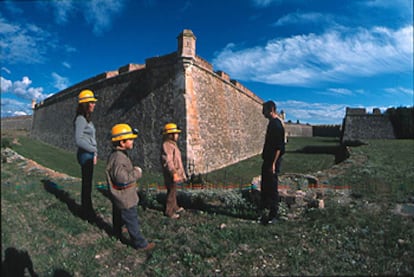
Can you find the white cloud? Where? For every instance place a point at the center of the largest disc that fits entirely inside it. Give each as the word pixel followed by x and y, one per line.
pixel 11 107
pixel 6 85
pixel 264 3
pixel 67 65
pixel 62 8
pixel 302 18
pixel 27 43
pixel 400 90
pixel 313 113
pixel 334 56
pixel 97 13
pixel 60 82
pixel 100 13
pixel 403 5
pixel 5 69
pixel 340 91
pixel 24 44
pixel 22 89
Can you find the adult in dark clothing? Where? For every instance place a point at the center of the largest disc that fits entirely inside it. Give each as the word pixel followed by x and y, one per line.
pixel 273 150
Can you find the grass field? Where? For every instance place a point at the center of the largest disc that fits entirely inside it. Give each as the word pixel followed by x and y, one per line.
pixel 360 231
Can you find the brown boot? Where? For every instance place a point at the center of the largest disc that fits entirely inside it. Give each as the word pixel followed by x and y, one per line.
pixel 149 246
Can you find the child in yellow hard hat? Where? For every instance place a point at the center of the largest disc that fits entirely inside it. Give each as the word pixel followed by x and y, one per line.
pixel 173 169
pixel 121 176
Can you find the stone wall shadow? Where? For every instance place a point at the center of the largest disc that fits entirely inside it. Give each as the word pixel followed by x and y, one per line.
pixel 131 95
pixel 75 208
pixel 340 152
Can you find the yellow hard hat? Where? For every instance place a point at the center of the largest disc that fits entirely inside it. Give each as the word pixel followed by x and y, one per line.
pixel 171 128
pixel 123 131
pixel 86 96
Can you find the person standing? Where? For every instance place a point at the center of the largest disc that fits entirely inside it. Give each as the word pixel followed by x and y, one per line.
pixel 87 153
pixel 173 169
pixel 273 150
pixel 122 176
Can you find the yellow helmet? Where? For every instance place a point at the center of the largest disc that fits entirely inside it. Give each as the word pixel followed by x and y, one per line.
pixel 86 96
pixel 123 131
pixel 171 128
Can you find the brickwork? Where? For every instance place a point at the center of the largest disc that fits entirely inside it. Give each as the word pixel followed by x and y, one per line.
pixel 358 125
pixel 221 120
pixel 229 121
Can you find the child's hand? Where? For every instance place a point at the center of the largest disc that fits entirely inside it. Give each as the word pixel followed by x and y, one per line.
pixel 176 178
pixel 139 171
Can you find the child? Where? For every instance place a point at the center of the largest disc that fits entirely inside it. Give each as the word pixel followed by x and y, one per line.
pixel 121 176
pixel 173 169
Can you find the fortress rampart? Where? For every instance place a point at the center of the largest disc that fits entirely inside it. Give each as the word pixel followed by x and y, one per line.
pixel 221 119
pixel 358 125
pixel 298 130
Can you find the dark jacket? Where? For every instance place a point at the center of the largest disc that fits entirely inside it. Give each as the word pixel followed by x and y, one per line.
pixel 274 140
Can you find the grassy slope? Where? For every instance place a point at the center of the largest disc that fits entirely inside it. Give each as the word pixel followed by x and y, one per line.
pixel 362 237
pixel 241 173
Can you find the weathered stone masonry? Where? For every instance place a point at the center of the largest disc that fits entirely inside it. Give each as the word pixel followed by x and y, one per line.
pixel 221 120
pixel 358 125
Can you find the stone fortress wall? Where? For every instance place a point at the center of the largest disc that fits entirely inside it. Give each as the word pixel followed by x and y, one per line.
pixel 298 130
pixel 221 120
pixel 359 125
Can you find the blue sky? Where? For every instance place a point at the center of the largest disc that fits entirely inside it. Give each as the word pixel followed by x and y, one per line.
pixel 313 58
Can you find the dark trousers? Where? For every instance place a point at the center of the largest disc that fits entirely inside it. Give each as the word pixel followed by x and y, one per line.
pixel 129 217
pixel 85 160
pixel 171 202
pixel 269 188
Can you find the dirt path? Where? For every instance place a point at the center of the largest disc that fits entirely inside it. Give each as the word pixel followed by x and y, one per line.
pixel 27 165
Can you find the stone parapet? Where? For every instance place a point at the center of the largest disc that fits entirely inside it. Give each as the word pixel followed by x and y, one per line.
pixel 130 67
pixel 368 126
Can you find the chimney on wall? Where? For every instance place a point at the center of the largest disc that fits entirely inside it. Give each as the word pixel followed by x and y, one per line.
pixel 186 44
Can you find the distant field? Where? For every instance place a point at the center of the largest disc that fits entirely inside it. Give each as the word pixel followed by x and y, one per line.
pixel 363 231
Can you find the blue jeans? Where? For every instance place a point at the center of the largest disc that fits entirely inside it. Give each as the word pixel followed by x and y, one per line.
pixel 130 218
pixel 84 156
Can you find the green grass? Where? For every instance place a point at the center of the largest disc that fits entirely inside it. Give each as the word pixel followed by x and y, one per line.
pixel 240 173
pixel 387 173
pixel 293 161
pixel 356 234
